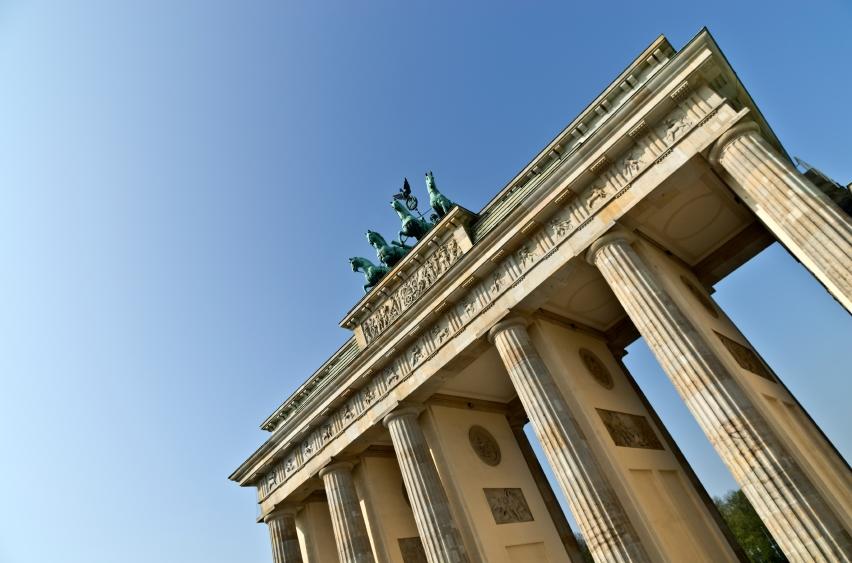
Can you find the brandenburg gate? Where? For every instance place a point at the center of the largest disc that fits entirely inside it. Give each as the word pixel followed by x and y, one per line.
pixel 407 445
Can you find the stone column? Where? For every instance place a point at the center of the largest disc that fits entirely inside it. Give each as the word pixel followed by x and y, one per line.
pixel 601 517
pixel 282 532
pixel 517 420
pixel 350 532
pixel 784 497
pixel 441 538
pixel 802 218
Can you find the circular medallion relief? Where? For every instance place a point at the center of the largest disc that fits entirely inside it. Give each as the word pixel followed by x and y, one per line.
pixel 596 368
pixel 485 446
pixel 702 298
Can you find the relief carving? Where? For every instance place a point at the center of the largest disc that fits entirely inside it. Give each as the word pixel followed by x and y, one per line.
pixel 595 194
pixel 632 163
pixel 526 254
pixel 412 550
pixel 411 290
pixel 596 368
pixel 508 506
pixel 560 226
pixel 484 445
pixel 630 430
pixel 745 357
pixel 675 125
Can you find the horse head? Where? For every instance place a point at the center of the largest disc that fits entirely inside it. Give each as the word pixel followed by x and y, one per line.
pixel 355 263
pixel 375 239
pixel 430 182
pixel 401 209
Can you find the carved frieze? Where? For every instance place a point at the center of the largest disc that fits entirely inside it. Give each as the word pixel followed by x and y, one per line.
pixel 484 445
pixel 626 429
pixel 596 368
pixel 630 430
pixel 508 506
pixel 745 357
pixel 412 288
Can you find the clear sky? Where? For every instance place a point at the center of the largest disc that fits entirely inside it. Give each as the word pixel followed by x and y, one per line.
pixel 183 181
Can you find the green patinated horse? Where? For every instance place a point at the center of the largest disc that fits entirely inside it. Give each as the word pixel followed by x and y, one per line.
pixel 372 272
pixel 388 254
pixel 438 201
pixel 411 225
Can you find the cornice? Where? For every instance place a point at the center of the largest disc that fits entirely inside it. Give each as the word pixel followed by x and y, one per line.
pixel 562 182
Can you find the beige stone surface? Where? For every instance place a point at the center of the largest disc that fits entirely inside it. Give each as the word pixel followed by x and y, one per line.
pixel 466 472
pixel 796 514
pixel 803 218
pixel 605 525
pixel 670 514
pixel 350 531
pixel 316 536
pixel 283 536
pixel 439 533
pixel 385 503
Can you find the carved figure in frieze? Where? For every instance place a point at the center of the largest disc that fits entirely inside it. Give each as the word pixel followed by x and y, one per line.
pixel 372 273
pixel 439 202
pixel 412 288
pixel 439 333
pixel 675 124
pixel 526 254
pixel 388 254
pixel 596 193
pixel 560 226
pixel 411 226
pixel 497 280
pixel 632 162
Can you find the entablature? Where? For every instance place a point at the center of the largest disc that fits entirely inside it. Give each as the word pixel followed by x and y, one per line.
pixel 577 190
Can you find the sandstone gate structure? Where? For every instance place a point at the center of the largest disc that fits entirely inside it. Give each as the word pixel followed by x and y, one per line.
pixel 407 444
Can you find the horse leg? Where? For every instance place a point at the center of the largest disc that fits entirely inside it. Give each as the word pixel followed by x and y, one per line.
pixel 366 288
pixel 401 234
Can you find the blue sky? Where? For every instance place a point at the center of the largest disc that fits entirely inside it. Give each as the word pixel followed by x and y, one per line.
pixel 181 184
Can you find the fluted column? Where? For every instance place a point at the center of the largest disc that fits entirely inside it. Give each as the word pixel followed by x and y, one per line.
pixel 784 497
pixel 282 532
pixel 600 515
pixel 802 218
pixel 438 532
pixel 350 531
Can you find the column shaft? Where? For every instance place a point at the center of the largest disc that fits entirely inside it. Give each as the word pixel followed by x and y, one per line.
pixel 438 532
pixel 598 511
pixel 350 531
pixel 547 494
pixel 285 540
pixel 802 218
pixel 784 497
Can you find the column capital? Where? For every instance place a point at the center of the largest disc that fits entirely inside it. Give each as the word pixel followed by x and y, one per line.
pixel 511 321
pixel 338 466
pixel 282 511
pixel 736 131
pixel 405 409
pixel 619 233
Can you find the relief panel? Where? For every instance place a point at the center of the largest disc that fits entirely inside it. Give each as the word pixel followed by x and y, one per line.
pixel 508 506
pixel 630 430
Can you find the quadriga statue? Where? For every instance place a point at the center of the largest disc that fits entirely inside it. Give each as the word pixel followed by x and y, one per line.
pixel 438 201
pixel 372 272
pixel 388 254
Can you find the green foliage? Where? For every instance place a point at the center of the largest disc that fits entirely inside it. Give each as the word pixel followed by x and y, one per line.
pixel 748 529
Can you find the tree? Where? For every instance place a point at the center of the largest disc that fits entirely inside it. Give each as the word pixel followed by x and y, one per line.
pixel 748 529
